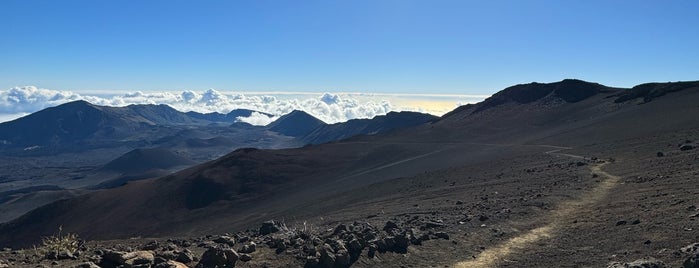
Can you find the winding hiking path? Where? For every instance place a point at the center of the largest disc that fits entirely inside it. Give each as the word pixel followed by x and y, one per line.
pixel 494 256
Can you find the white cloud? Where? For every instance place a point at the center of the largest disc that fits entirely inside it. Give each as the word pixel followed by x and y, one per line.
pixel 329 107
pixel 257 119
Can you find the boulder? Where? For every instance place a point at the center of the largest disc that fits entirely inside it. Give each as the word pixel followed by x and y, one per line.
pixel 185 256
pixel 248 248
pixel 268 227
pixel 127 259
pixel 327 256
pixel 224 239
pixel 389 226
pixel 218 258
pixel 171 264
pixel 693 260
pixel 245 257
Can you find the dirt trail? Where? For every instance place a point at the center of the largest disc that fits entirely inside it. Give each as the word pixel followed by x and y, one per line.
pixel 559 217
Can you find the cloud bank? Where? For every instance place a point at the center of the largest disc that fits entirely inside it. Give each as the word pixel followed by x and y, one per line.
pixel 329 107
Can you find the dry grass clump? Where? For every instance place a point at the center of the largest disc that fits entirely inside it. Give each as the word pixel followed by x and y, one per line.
pixel 59 243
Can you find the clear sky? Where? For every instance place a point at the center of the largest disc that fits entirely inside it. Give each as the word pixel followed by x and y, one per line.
pixel 457 47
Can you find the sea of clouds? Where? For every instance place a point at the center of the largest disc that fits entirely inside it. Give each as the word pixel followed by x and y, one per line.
pixel 329 107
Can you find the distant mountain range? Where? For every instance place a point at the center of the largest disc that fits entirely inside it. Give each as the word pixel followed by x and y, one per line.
pixel 80 126
pixel 142 141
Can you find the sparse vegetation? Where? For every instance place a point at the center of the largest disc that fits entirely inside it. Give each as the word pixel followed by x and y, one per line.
pixel 59 244
pixel 304 230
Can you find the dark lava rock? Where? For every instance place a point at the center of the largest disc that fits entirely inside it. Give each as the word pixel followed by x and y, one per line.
pixel 686 147
pixel 636 221
pixel 152 245
pixel 60 255
pixel 248 248
pixel 218 258
pixel 268 227
pixel 693 248
pixel 621 222
pixel 327 256
pixel 691 262
pixel 372 251
pixel 340 229
pixel 245 257
pixel 642 263
pixel 185 256
pixel 660 154
pixel 390 225
pixel 442 235
pixel 483 218
pixel 224 239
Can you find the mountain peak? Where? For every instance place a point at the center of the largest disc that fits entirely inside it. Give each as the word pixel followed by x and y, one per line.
pixel 568 90
pixel 295 124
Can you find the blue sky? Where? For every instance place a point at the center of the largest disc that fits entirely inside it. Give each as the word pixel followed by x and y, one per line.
pixel 452 47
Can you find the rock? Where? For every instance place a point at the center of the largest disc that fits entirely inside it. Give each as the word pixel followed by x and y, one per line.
pixel 686 147
pixel 459 202
pixel 401 243
pixel 60 255
pixel 312 261
pixel 580 164
pixel 268 227
pixel 693 260
pixel 342 258
pixel 642 263
pixel 185 256
pixel 152 245
pixel 691 249
pixel 372 251
pixel 483 218
pixel 390 225
pixel 168 255
pixel 171 264
pixel 442 235
pixel 660 154
pixel 340 229
pixel 327 256
pixel 636 221
pixel 621 222
pixel 86 265
pixel 431 224
pixel 218 258
pixel 248 248
pixel 354 247
pixel 136 258
pixel 245 257
pixel 224 239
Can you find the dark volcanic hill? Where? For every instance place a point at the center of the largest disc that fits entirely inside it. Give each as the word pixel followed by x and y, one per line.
pixel 379 124
pixel 552 173
pixel 295 124
pixel 81 124
pixel 140 160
